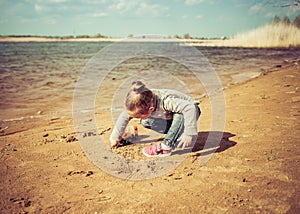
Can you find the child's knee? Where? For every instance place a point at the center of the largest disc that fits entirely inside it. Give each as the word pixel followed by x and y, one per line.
pixel 146 123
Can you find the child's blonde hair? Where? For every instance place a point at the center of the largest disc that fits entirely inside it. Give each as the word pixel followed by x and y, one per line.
pixel 139 99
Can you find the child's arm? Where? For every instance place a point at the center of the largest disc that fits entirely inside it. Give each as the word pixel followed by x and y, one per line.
pixel 119 128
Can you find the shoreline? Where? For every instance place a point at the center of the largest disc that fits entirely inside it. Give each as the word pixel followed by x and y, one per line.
pixel 46 39
pixel 195 42
pixel 220 43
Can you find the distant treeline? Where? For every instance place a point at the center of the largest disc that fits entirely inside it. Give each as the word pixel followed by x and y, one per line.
pixel 184 36
pixel 59 37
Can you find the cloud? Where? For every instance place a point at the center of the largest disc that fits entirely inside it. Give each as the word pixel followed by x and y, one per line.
pixel 68 8
pixel 184 17
pixel 139 8
pixel 98 14
pixel 66 5
pixel 193 2
pixel 123 6
pixel 241 4
pixel 39 8
pixel 46 1
pixel 50 6
pixel 52 9
pixel 48 20
pixel 256 8
pixel 56 1
pixel 199 17
pixel 270 15
pixel 93 1
pixel 151 9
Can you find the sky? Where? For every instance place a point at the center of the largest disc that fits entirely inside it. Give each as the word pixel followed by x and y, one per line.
pixel 120 18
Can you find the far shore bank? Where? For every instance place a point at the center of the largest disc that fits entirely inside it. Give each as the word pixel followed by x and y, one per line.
pixel 54 39
pixel 192 42
pixel 196 42
pixel 92 39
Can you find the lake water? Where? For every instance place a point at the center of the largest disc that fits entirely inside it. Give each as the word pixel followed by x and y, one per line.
pixel 33 74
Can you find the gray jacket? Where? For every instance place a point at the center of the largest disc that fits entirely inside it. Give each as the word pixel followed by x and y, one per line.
pixel 166 103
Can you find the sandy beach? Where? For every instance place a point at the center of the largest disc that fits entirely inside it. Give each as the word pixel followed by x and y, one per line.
pixel 255 170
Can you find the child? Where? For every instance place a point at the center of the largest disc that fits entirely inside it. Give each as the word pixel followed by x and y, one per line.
pixel 166 111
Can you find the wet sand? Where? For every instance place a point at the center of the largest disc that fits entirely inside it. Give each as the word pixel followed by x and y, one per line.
pixel 255 170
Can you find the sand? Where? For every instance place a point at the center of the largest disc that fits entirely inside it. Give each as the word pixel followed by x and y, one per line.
pixel 255 170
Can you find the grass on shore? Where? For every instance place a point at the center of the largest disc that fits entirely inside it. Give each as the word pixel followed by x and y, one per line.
pixel 271 35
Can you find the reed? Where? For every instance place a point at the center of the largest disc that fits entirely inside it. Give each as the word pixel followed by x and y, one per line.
pixel 270 35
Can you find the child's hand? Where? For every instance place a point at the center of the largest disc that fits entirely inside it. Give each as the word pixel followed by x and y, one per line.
pixel 114 143
pixel 184 141
pixel 126 135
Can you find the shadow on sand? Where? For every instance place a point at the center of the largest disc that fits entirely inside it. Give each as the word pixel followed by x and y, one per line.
pixel 203 147
pixel 224 144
